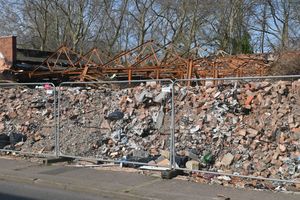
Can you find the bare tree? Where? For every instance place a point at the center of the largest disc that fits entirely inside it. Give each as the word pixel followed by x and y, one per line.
pixel 236 26
pixel 115 19
pixel 39 16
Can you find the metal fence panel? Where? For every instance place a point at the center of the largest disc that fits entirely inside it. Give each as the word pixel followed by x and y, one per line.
pixel 244 127
pixel 116 121
pixel 27 118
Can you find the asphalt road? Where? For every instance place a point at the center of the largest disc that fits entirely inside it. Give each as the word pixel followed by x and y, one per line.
pixel 18 191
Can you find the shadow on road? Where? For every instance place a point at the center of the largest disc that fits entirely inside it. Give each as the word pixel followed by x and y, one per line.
pixel 13 197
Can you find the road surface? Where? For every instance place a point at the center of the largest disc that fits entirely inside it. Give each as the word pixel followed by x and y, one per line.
pixel 18 191
pixel 21 179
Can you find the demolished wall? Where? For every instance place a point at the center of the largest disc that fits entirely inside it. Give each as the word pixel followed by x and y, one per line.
pixel 249 128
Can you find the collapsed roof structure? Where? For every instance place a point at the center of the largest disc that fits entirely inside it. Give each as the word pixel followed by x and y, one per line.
pixel 146 61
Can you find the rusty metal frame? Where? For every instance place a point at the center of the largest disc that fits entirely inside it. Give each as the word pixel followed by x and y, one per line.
pixel 71 66
pixel 149 60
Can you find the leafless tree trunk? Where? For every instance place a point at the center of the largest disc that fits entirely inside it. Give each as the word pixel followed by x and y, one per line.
pixel 114 25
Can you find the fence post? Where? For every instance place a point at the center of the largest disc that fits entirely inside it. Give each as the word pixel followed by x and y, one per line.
pixel 172 136
pixel 56 99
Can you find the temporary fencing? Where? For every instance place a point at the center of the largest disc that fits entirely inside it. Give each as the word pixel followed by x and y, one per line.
pixel 27 118
pixel 243 127
pixel 118 121
pixel 240 127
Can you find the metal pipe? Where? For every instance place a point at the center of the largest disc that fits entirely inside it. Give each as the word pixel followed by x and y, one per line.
pixel 172 149
pixel 106 82
pixel 240 78
pixel 27 153
pixel 55 120
pixel 109 160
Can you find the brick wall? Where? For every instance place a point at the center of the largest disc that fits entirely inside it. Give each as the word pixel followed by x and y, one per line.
pixel 8 48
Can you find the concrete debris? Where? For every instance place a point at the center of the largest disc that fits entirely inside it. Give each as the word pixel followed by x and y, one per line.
pixel 164 162
pixel 298 184
pixel 165 154
pixel 107 122
pixel 227 159
pixel 3 65
pixel 192 165
pixel 252 132
pixel 225 178
pixel 27 119
pixel 246 128
pixel 250 128
pixel 192 155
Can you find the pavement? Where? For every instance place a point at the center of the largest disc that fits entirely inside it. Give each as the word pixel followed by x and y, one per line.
pixel 21 179
pixel 21 191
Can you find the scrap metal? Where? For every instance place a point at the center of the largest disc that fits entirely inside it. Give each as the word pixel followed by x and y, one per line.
pixel 146 61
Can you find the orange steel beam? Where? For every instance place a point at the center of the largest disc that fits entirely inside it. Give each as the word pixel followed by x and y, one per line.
pixel 124 53
pixel 190 70
pixel 149 60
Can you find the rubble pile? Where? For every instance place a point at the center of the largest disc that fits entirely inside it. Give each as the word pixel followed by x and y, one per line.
pixel 27 119
pixel 3 65
pixel 246 128
pixel 112 123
